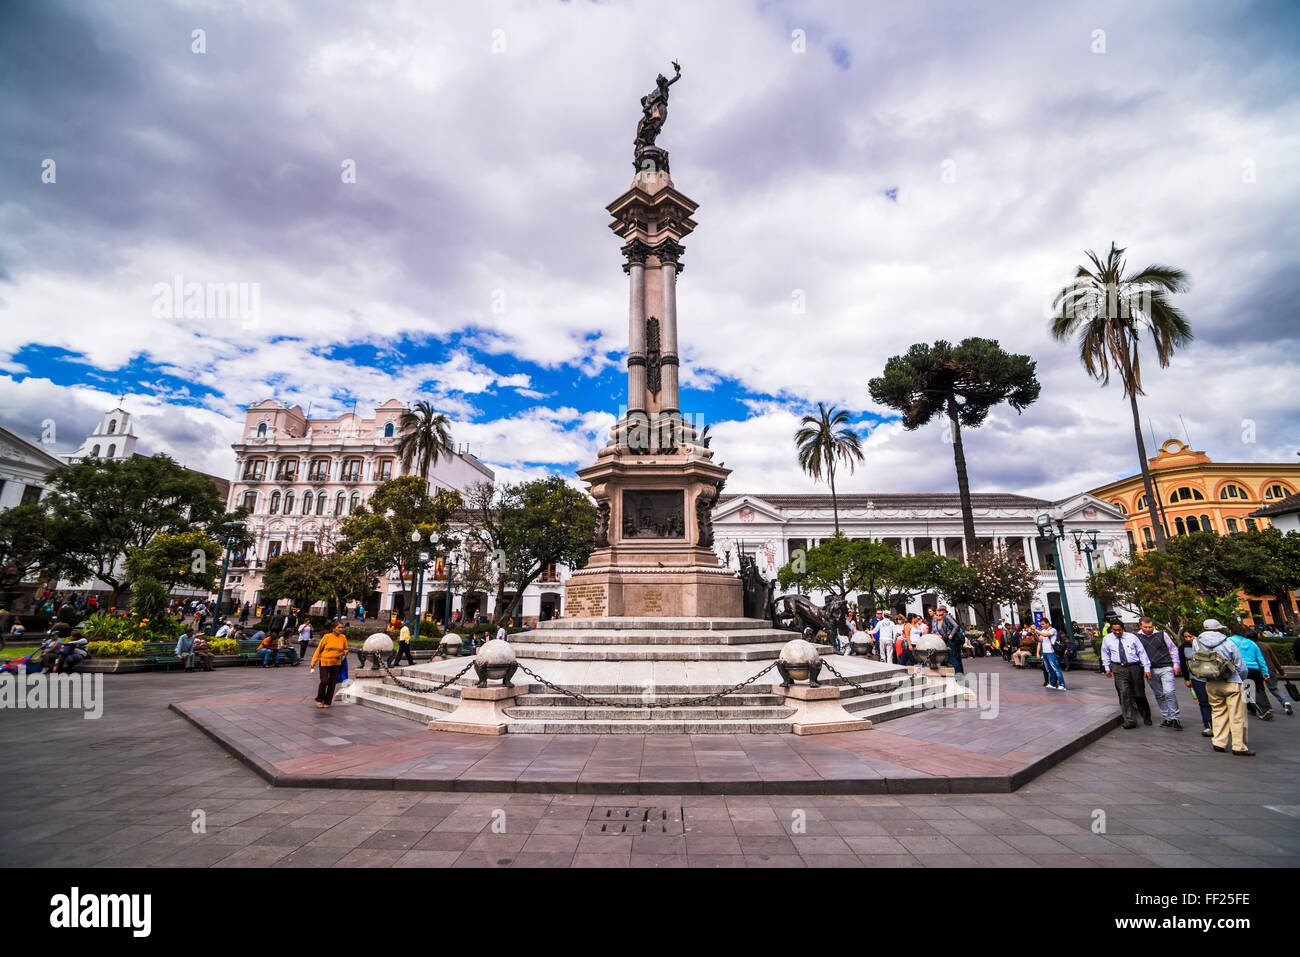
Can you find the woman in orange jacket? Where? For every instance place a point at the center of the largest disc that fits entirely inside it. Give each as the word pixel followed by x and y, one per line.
pixel 331 652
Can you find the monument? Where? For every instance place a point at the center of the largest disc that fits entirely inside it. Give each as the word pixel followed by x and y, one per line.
pixel 654 484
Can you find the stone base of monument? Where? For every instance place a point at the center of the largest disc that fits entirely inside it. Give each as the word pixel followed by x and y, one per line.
pixel 481 711
pixel 818 711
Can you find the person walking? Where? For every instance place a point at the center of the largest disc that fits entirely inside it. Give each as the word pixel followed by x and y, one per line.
pixel 1046 649
pixel 331 651
pixel 1165 667
pixel 403 646
pixel 1256 669
pixel 304 638
pixel 1219 663
pixel 951 633
pixel 1196 684
pixel 1124 659
pixel 1275 671
pixel 243 614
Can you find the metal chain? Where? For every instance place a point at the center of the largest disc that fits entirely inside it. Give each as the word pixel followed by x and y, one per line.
pixel 831 668
pixel 421 690
pixel 687 702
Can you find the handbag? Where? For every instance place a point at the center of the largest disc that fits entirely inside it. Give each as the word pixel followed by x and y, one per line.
pixel 1291 690
pixel 343 670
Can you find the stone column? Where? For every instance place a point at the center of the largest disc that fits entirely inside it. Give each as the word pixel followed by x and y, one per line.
pixel 636 385
pixel 1030 558
pixel 668 267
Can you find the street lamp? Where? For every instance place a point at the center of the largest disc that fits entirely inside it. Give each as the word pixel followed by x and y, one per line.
pixel 1047 533
pixel 452 563
pixel 1088 546
pixel 421 559
pixel 233 532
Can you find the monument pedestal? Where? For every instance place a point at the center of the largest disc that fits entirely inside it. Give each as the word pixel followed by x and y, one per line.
pixel 818 710
pixel 481 711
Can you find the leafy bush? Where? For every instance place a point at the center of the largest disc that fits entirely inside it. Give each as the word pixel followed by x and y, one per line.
pixel 116 649
pixel 1283 649
pixel 223 646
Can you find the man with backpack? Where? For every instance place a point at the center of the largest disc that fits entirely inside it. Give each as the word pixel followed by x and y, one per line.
pixel 1219 663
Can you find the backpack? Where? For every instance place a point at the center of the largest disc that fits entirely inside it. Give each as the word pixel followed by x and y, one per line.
pixel 1208 665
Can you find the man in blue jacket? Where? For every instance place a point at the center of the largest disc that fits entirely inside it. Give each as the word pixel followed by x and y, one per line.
pixel 1256 670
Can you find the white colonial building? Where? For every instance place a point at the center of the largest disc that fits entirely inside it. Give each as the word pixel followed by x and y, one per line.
pixel 112 439
pixel 774 527
pixel 300 478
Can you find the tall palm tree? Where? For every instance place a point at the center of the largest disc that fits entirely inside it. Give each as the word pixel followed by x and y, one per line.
pixel 426 435
pixel 1109 312
pixel 823 439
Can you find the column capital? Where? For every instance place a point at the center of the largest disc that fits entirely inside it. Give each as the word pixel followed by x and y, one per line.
pixel 636 253
pixel 669 251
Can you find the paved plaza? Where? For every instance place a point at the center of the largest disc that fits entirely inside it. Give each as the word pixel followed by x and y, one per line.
pixel 124 790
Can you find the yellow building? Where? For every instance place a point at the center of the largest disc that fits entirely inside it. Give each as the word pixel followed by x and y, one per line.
pixel 1194 493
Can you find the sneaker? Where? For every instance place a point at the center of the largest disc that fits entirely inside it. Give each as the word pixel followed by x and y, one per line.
pixel 1207 733
pixel 1290 711
pixel 1129 727
pixel 1245 754
pixel 1165 723
pixel 1219 749
pixel 1176 724
pixel 1266 716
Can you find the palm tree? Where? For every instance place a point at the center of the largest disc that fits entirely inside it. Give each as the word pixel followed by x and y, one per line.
pixel 823 439
pixel 426 434
pixel 1110 311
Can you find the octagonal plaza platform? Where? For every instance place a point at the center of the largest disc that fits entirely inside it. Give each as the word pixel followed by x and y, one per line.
pixel 643 674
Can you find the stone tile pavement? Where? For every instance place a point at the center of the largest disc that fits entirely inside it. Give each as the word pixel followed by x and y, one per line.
pixel 123 791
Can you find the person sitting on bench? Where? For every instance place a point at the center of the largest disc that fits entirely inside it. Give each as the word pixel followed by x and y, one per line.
pixel 269 649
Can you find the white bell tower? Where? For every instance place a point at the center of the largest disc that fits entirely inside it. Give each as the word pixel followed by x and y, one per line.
pixel 112 438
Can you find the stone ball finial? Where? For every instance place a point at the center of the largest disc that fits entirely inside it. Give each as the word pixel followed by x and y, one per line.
pixel 495 660
pixel 378 642
pixel 800 652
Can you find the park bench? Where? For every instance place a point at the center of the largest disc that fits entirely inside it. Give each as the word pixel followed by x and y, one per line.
pixel 162 654
pixel 246 651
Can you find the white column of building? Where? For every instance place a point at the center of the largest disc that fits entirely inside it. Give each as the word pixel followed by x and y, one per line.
pixel 636 394
pixel 1031 559
pixel 668 338
pixel 909 546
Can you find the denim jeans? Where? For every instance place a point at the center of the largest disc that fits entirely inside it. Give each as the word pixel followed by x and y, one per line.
pixel 954 659
pixel 1054 675
pixel 1162 686
pixel 1203 700
pixel 269 656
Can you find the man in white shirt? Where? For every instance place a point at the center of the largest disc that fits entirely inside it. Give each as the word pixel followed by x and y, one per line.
pixel 501 633
pixel 1124 659
pixel 304 638
pixel 224 630
pixel 886 635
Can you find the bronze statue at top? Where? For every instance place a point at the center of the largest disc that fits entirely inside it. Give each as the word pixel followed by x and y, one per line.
pixel 654 110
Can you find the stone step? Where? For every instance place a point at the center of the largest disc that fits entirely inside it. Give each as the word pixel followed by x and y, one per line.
pixel 738 700
pixel 640 652
pixel 679 726
pixel 701 713
pixel 653 637
pixel 653 624
pixel 367 696
pixel 439 701
pixel 884 711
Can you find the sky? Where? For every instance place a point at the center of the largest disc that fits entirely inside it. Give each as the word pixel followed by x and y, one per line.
pixel 410 198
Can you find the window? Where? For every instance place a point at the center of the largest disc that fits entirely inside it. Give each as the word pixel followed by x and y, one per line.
pixel 320 504
pixel 1205 524
pixel 309 546
pixel 112 450
pixel 1232 526
pixel 1251 525
pixel 273 550
pixel 1143 502
pixel 351 470
pixel 275 503
pixel 1120 507
pixel 1146 536
pixel 254 469
pixel 1233 491
pixel 250 501
pixel 1274 491
pixel 95 451
pixel 288 503
pixel 1132 542
pixel 388 431
pixel 306 503
pixel 112 426
pixel 1179 527
pixel 385 468
pixel 318 470
pixel 356 502
pixel 1187 494
pixel 548 573
pixel 261 431
pixel 286 470
pixel 31 495
pixel 340 504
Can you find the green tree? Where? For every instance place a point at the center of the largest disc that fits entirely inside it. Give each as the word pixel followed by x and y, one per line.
pixel 191 558
pixel 24 547
pixel 299 576
pixel 990 577
pixel 426 435
pixel 963 382
pixel 378 532
pixel 1160 584
pixel 840 567
pixel 346 579
pixel 101 510
pixel 1109 312
pixel 823 440
pixel 526 528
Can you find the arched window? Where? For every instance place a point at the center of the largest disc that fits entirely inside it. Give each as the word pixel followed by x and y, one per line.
pixel 1206 526
pixel 320 504
pixel 1232 526
pixel 1143 502
pixel 1132 542
pixel 388 431
pixel 112 426
pixel 1179 527
pixel 275 503
pixel 351 470
pixel 254 469
pixel 261 431
pixel 356 501
pixel 288 503
pixel 1186 493
pixel 1233 491
pixel 318 470
pixel 112 450
pixel 250 502
pixel 385 469
pixel 340 504
pixel 1120 507
pixel 1251 525
pixel 95 451
pixel 1274 491
pixel 1146 536
pixel 306 503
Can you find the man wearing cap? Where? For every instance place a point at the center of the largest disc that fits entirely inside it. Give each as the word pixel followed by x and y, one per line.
pixel 1124 659
pixel 1227 703
pixel 403 646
